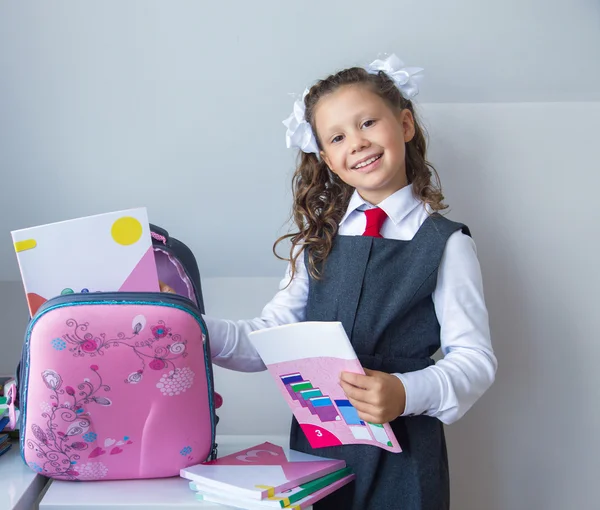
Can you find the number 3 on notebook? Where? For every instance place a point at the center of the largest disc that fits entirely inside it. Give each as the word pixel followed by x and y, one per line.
pixel 318 437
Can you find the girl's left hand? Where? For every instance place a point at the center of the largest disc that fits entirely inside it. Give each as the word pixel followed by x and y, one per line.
pixel 378 397
pixel 165 288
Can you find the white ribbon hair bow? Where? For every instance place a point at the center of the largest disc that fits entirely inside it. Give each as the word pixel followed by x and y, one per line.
pixel 405 78
pixel 299 133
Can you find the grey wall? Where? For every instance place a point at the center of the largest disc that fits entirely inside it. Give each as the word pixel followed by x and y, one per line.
pixel 143 103
pixel 178 105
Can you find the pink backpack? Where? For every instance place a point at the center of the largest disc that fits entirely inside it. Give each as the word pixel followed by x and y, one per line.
pixel 120 385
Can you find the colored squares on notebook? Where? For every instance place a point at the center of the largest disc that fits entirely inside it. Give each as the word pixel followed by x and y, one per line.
pixel 305 395
pixel 360 433
pixel 314 392
pixel 291 378
pixel 126 230
pixel 380 434
pixel 302 385
pixel 349 413
pixel 288 380
pixel 324 408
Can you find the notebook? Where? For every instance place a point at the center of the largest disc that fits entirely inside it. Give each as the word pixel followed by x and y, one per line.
pixel 260 471
pixel 102 253
pixel 306 359
pixel 299 504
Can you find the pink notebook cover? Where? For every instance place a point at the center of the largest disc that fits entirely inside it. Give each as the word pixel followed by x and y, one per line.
pixel 261 471
pixel 306 360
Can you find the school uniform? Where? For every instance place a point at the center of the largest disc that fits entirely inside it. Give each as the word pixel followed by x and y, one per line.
pixel 400 297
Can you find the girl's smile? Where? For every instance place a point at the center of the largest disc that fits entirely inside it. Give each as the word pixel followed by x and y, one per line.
pixel 363 140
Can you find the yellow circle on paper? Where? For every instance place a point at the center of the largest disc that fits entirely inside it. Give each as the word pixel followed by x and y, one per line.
pixel 126 231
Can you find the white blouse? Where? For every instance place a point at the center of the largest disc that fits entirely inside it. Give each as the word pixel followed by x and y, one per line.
pixel 445 390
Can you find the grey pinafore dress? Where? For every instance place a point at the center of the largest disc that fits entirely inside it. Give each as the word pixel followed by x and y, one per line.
pixel 380 290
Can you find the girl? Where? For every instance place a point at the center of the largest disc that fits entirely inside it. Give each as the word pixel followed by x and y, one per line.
pixel 372 252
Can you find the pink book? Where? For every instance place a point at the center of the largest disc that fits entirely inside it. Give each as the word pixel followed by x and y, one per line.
pixel 260 471
pixel 226 499
pixel 306 359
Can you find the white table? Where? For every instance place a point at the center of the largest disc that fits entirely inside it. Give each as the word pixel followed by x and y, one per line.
pixel 19 485
pixel 156 494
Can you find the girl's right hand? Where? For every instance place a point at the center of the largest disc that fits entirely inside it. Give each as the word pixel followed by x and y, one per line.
pixel 378 397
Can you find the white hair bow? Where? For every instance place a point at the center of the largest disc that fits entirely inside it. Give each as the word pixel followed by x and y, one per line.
pixel 299 133
pixel 405 78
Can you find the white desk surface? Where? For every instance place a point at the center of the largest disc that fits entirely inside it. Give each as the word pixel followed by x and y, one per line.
pixel 19 485
pixel 155 494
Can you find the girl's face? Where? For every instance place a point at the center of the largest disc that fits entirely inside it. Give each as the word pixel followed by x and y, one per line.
pixel 363 140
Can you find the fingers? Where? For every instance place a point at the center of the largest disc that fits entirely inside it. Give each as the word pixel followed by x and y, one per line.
pixel 354 392
pixel 367 393
pixel 165 288
pixel 376 420
pixel 358 380
pixel 371 396
pixel 368 412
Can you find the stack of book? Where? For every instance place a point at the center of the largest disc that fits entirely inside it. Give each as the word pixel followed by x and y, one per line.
pixel 267 476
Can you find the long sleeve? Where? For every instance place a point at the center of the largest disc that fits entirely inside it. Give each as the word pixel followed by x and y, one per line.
pixel 230 345
pixel 448 389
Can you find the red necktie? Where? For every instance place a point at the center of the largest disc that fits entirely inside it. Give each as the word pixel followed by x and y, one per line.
pixel 375 219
